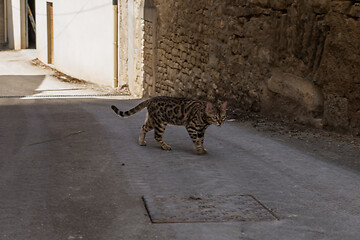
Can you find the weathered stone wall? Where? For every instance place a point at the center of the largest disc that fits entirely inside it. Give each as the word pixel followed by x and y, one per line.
pixel 297 59
pixel 148 58
pixel 150 52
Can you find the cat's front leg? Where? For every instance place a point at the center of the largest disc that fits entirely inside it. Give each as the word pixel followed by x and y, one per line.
pixel 200 150
pixel 158 133
pixel 197 136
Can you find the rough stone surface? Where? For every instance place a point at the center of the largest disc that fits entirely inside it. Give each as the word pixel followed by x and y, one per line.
pixel 298 89
pixel 148 58
pixel 228 50
pixel 295 96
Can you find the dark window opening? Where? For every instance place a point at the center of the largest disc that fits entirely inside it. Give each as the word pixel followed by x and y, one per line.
pixel 31 19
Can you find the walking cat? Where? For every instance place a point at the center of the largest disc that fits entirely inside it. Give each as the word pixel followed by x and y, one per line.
pixel 195 115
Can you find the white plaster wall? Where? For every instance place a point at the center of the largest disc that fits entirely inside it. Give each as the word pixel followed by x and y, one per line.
pixel 14 24
pixel 83 38
pixel 41 30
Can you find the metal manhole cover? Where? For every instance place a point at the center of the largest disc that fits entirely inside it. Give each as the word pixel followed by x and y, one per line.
pixel 206 208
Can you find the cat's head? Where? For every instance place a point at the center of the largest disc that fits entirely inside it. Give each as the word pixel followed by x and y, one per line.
pixel 216 114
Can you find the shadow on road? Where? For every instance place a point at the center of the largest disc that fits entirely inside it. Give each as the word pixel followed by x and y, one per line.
pixel 55 182
pixel 19 85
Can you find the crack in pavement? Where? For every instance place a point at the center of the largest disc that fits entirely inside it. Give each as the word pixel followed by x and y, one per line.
pixel 55 139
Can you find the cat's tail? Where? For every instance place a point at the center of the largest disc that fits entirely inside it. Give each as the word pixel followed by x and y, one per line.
pixel 132 111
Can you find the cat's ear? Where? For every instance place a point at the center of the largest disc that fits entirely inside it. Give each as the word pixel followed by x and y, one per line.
pixel 209 107
pixel 223 107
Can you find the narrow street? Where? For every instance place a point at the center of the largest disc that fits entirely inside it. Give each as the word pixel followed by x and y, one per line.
pixel 71 169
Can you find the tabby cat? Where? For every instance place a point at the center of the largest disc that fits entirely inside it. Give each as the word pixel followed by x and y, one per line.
pixel 195 115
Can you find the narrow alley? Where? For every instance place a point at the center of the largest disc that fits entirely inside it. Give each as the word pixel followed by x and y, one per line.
pixel 71 169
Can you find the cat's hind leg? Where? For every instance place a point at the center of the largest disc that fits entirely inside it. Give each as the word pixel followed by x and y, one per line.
pixel 158 133
pixel 148 126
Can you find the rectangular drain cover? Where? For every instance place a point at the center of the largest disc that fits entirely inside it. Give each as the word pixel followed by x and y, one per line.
pixel 206 208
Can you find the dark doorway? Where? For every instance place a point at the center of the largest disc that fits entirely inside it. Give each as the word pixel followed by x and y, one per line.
pixel 31 23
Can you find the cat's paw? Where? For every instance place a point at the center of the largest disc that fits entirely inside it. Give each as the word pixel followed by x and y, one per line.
pixel 142 143
pixel 201 151
pixel 166 147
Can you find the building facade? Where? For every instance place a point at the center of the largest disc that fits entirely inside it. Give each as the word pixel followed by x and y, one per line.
pixel 97 40
pixel 291 59
pixel 76 37
pixel 100 41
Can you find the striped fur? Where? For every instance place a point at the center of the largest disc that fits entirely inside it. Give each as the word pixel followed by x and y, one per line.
pixel 132 111
pixel 195 115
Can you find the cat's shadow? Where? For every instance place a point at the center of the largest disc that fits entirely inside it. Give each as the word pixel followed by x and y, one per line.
pixel 177 151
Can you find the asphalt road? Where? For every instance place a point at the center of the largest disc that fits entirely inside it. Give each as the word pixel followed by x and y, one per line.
pixel 72 169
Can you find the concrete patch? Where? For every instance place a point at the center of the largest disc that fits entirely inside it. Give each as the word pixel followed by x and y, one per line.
pixel 206 208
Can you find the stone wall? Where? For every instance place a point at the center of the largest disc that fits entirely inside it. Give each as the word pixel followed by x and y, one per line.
pixel 296 59
pixel 150 48
pixel 148 58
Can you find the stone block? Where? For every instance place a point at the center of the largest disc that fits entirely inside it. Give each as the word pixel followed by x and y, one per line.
pixel 278 4
pixel 261 3
pixel 355 10
pixel 336 112
pixel 298 89
pixel 340 6
pixel 320 6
